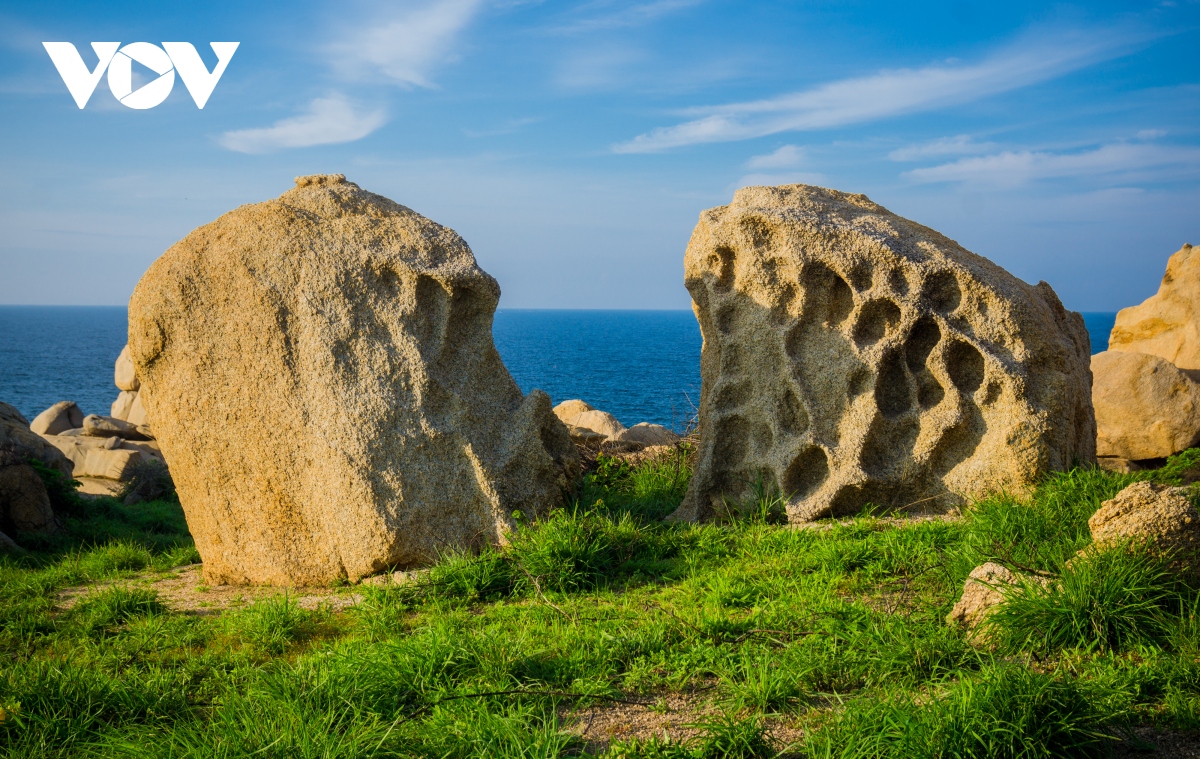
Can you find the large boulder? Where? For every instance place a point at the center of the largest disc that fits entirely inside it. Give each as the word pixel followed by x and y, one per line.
pixel 1161 517
pixel 109 457
pixel 1146 408
pixel 16 437
pixel 600 421
pixel 321 376
pixel 1166 324
pixel 24 502
pixel 852 356
pixel 568 411
pixel 62 416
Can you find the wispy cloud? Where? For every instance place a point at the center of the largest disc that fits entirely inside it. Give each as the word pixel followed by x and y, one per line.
pixel 327 121
pixel 403 47
pixel 786 157
pixel 960 145
pixel 636 14
pixel 1032 59
pixel 1124 161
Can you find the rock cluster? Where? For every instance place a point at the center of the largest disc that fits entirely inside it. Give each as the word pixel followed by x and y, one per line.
pixel 591 427
pixel 107 449
pixel 320 373
pixel 1146 386
pixel 852 356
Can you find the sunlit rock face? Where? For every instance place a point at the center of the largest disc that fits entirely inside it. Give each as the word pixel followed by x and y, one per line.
pixel 853 357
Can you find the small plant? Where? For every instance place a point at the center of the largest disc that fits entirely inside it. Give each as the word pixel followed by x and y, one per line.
pixel 149 480
pixel 1108 600
pixel 112 607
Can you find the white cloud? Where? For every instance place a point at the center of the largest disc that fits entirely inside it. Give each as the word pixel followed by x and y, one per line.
pixel 786 157
pixel 1126 161
pixel 327 121
pixel 960 145
pixel 629 16
pixel 1151 134
pixel 890 93
pixel 406 46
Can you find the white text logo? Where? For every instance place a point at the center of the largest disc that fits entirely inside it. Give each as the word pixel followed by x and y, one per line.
pixel 165 61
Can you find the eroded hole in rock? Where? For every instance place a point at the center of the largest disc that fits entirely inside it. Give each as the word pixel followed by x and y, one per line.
pixel 731 442
pixel 731 395
pixel 920 343
pixel 757 231
pixel 943 291
pixel 892 392
pixel 827 296
pixel 806 473
pixel 860 380
pixel 898 282
pixel 429 315
pixel 720 265
pixel 791 414
pixel 875 320
pixel 860 277
pixel 889 445
pixel 992 394
pixel 964 364
pixel 727 318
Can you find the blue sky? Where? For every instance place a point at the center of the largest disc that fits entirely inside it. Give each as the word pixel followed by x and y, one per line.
pixel 573 145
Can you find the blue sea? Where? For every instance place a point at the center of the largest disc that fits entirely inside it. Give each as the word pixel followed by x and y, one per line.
pixel 641 366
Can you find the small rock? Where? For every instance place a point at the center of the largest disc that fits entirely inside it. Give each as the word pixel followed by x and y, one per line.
pixel 24 503
pixel 983 591
pixel 584 436
pixel 62 416
pixel 600 421
pixel 568 411
pixel 648 434
pixel 1162 516
pixel 388 579
pixel 95 425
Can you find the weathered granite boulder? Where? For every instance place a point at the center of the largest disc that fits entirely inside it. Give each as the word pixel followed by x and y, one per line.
pixel 600 421
pixel 1163 517
pixel 986 588
pixel 124 374
pixel 852 356
pixel 24 502
pixel 568 411
pixel 121 406
pixel 645 433
pixel 62 416
pixel 15 436
pixel 1146 408
pixel 112 458
pixel 1166 324
pixel 321 376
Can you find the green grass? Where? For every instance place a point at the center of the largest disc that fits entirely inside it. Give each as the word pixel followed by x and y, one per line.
pixel 835 637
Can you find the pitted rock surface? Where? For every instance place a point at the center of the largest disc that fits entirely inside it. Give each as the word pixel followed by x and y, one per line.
pixel 852 356
pixel 1164 517
pixel 323 382
pixel 1167 324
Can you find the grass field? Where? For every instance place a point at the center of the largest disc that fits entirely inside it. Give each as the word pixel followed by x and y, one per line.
pixel 603 623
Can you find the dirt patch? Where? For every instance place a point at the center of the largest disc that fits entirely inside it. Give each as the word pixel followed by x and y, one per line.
pixel 675 717
pixel 1166 745
pixel 183 589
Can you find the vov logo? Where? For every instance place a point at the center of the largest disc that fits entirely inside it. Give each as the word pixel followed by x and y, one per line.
pixel 118 61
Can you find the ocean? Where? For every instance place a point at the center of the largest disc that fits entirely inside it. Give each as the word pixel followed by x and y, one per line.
pixel 640 366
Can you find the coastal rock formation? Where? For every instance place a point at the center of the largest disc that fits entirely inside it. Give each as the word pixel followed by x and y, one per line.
pixel 1146 408
pixel 1164 517
pixel 17 438
pixel 1166 324
pixel 124 375
pixel 321 376
pixel 62 416
pixel 108 426
pixel 852 356
pixel 111 458
pixel 128 406
pixel 568 411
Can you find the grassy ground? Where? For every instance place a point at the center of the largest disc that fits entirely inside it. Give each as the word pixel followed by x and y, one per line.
pixel 826 642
